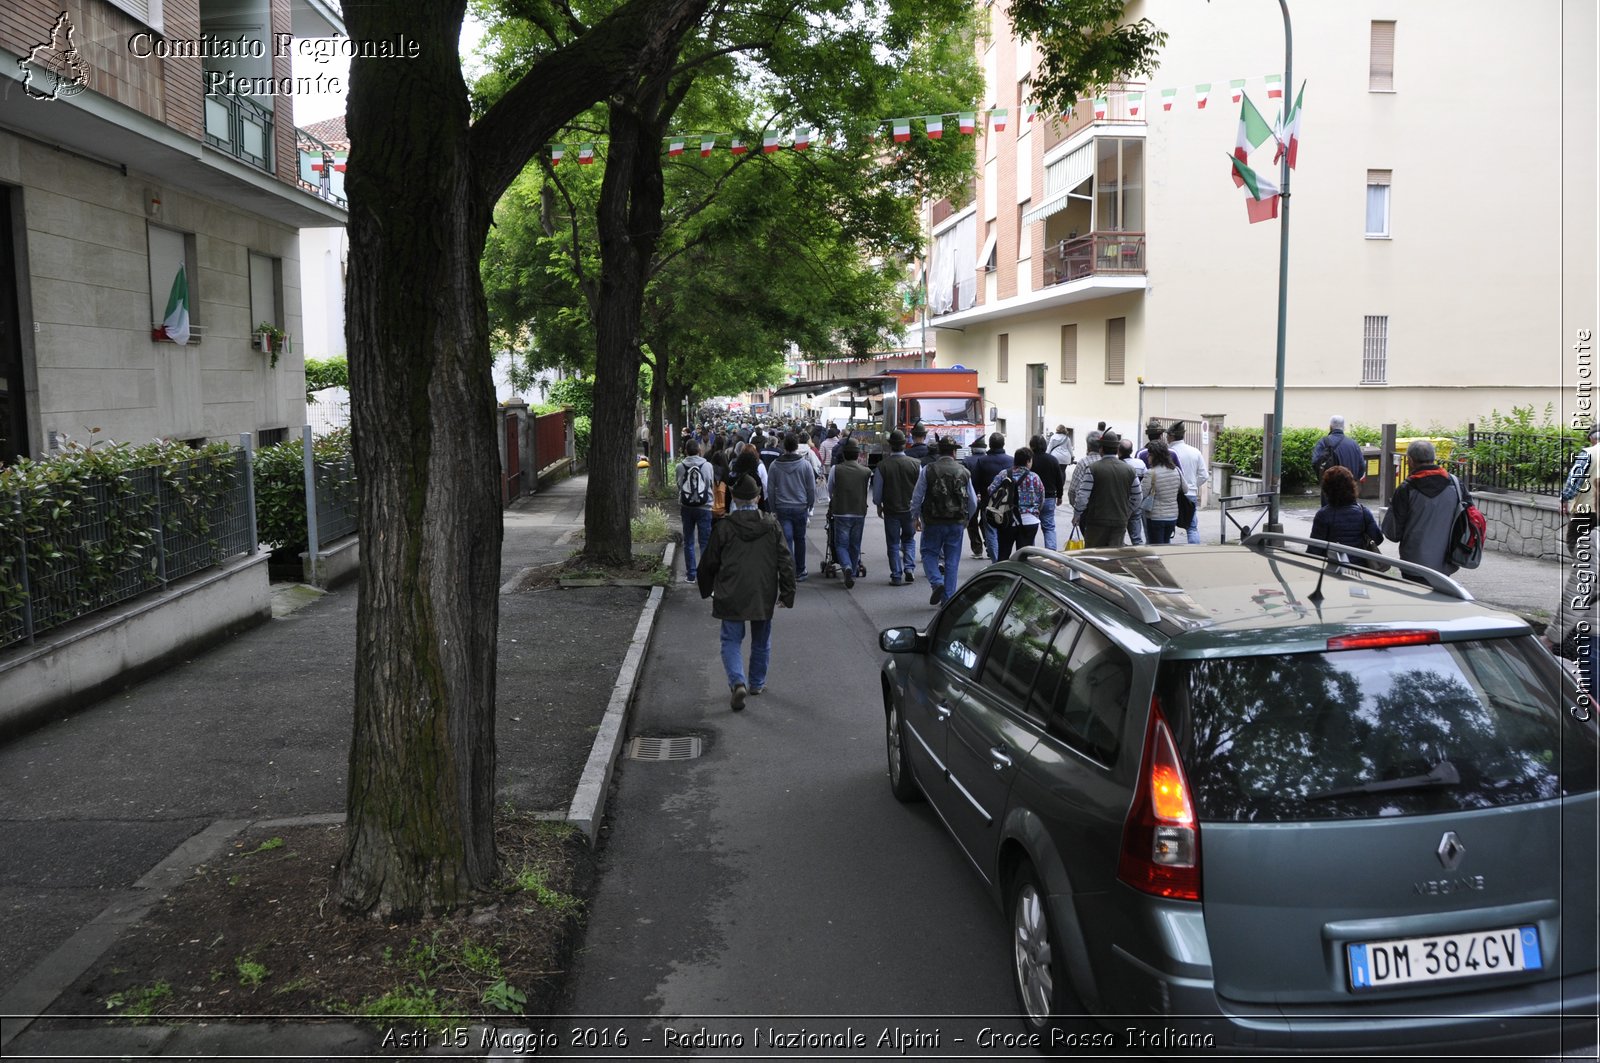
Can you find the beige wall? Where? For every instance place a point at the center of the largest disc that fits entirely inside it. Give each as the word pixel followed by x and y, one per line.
pixel 1485 280
pixel 96 365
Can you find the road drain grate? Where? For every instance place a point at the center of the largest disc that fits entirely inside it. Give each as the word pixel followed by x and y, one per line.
pixel 682 747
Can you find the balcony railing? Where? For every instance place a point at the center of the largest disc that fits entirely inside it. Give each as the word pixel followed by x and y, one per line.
pixel 241 127
pixel 321 155
pixel 1099 252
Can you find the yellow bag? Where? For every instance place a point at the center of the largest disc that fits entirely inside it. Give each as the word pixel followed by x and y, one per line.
pixel 1075 539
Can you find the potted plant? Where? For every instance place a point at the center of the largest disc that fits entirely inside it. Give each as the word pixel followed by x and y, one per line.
pixel 271 340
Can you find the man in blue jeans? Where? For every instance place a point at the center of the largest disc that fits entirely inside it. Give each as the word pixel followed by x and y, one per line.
pixel 746 570
pixel 892 483
pixel 697 480
pixel 847 493
pixel 792 489
pixel 941 505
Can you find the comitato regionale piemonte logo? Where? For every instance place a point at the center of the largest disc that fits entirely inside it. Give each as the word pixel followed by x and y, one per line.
pixel 53 69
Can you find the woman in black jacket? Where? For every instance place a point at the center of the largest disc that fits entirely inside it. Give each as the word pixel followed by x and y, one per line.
pixel 1344 521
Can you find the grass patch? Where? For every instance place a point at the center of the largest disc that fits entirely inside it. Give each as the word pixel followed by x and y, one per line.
pixel 266 846
pixel 535 880
pixel 140 1003
pixel 413 1004
pixel 251 973
pixel 651 526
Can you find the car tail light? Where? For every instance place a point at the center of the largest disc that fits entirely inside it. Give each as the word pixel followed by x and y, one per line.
pixel 1161 839
pixel 1377 640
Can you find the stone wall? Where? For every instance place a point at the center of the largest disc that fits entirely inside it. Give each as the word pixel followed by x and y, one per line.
pixel 1524 524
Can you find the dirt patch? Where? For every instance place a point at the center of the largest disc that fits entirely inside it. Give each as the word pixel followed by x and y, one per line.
pixel 646 565
pixel 257 933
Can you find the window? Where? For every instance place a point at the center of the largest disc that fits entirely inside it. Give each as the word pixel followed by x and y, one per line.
pixel 1375 350
pixel 1378 202
pixel 1021 640
pixel 964 626
pixel 1380 70
pixel 1083 690
pixel 266 279
pixel 1116 350
pixel 1002 358
pixel 1069 354
pixel 267 437
pixel 146 11
pixel 172 252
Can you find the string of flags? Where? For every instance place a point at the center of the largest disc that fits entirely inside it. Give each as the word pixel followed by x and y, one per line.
pixel 1250 170
pixel 967 123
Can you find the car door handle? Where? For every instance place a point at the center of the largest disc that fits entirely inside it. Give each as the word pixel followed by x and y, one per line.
pixel 942 711
pixel 1000 757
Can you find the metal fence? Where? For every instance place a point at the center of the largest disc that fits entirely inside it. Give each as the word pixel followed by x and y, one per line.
pixel 1535 464
pixel 114 539
pixel 336 499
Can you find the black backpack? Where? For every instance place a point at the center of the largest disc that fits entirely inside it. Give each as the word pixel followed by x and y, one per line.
pixel 1002 509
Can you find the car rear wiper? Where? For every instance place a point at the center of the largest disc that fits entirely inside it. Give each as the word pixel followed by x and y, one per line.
pixel 1443 773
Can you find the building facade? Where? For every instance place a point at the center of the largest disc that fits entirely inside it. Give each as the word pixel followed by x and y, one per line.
pixel 141 141
pixel 1105 269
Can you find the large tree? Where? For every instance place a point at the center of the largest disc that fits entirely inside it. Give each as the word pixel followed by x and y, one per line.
pixel 423 181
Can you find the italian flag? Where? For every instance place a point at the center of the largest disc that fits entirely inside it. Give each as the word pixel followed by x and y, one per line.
pixel 802 138
pixel 1289 136
pixel 1030 112
pixel 585 154
pixel 1201 94
pixel 1135 101
pixel 1253 132
pixel 739 147
pixel 1099 107
pixel 675 146
pixel 934 124
pixel 1274 86
pixel 998 119
pixel 555 155
pixel 175 325
pixel 902 129
pixel 969 121
pixel 1237 85
pixel 706 144
pixel 1167 97
pixel 769 143
pixel 1264 192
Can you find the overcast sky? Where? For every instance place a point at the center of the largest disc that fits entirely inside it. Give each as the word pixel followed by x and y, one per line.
pixel 308 109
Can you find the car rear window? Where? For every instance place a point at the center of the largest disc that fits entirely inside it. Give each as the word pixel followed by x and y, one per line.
pixel 1402 730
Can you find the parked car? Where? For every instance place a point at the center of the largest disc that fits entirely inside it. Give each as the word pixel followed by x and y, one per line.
pixel 1264 801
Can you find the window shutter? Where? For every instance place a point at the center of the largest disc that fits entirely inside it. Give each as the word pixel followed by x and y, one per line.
pixel 1375 350
pixel 1380 77
pixel 1069 354
pixel 1116 350
pixel 1002 361
pixel 1378 202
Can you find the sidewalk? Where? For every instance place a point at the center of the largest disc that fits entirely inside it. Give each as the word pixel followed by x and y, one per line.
pixel 103 812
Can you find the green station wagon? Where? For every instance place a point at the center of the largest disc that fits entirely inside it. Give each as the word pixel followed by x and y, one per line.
pixel 1243 798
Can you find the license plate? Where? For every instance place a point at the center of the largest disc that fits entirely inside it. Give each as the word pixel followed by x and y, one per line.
pixel 1375 964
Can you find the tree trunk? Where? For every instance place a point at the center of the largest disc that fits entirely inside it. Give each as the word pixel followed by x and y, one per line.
pixel 420 831
pixel 658 390
pixel 631 196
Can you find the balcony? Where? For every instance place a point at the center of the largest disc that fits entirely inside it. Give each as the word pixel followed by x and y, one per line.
pixel 1097 253
pixel 321 170
pixel 241 127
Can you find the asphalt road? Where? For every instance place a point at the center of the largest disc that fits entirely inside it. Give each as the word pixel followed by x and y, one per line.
pixel 774 881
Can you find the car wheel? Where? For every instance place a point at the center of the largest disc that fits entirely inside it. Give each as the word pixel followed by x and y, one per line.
pixel 901 782
pixel 1038 963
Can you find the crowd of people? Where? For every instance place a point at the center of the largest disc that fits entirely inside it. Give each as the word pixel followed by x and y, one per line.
pixel 748 494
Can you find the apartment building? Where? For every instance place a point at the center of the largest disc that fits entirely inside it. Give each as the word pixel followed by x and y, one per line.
pixel 151 197
pixel 1442 253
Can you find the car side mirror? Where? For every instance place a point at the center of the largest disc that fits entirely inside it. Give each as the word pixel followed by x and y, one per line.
pixel 898 639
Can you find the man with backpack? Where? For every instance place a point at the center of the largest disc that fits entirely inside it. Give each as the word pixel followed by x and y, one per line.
pixel 995 463
pixel 847 495
pixel 1013 504
pixel 1336 448
pixel 793 489
pixel 1107 496
pixel 1422 516
pixel 975 453
pixel 893 482
pixel 696 481
pixel 746 572
pixel 1052 475
pixel 940 507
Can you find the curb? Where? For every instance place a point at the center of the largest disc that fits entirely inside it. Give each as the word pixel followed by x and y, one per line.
pixel 589 800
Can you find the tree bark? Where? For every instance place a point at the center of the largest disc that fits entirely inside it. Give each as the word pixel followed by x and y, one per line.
pixel 420 813
pixel 658 391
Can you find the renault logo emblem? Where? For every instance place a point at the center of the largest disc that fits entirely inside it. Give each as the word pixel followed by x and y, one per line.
pixel 1451 851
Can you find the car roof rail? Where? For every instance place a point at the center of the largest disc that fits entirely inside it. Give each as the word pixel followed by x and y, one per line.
pixel 1133 601
pixel 1432 577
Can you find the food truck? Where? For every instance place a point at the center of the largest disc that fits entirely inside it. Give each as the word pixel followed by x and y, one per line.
pixel 945 401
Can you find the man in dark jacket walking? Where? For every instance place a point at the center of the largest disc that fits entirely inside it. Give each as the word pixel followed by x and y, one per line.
pixel 995 463
pixel 975 453
pixel 892 484
pixel 746 569
pixel 918 450
pixel 792 487
pixel 1336 448
pixel 1050 473
pixel 1424 509
pixel 941 504
pixel 1107 496
pixel 847 499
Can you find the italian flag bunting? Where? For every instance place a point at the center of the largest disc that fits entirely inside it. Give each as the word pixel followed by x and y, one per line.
pixel 902 129
pixel 555 154
pixel 675 146
pixel 1253 132
pixel 1201 94
pixel 1135 101
pixel 1167 97
pixel 1274 86
pixel 1099 107
pixel 802 137
pixel 969 121
pixel 998 120
pixel 934 123
pixel 739 147
pixel 1289 136
pixel 1237 85
pixel 769 143
pixel 706 144
pixel 1030 112
pixel 175 325
pixel 585 154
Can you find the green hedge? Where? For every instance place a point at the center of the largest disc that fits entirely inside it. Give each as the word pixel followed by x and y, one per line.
pixel 327 373
pixel 281 488
pixel 88 517
pixel 1241 448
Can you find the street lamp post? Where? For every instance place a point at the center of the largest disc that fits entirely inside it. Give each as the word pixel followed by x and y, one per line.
pixel 1275 483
